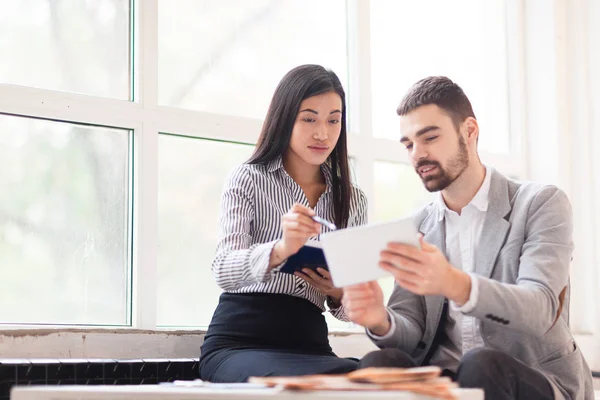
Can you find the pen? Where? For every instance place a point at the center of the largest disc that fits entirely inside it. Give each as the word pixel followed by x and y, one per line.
pixel 322 221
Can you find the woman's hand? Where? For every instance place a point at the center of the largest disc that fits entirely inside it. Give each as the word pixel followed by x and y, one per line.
pixel 298 227
pixel 322 282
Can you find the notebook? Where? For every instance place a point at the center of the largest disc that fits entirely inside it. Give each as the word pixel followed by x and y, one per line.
pixel 352 254
pixel 309 256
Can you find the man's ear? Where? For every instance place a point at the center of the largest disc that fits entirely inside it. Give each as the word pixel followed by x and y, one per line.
pixel 472 129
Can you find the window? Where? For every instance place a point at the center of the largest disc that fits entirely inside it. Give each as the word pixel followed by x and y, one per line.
pixel 227 56
pixel 64 212
pixel 192 173
pixel 463 39
pixel 112 207
pixel 72 46
pixel 398 191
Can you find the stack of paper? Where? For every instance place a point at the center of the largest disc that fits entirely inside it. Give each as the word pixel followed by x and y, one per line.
pixel 420 380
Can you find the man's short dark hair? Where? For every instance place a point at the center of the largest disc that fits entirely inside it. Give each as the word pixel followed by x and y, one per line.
pixel 442 92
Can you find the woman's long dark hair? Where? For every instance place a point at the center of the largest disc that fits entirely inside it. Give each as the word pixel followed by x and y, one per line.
pixel 297 85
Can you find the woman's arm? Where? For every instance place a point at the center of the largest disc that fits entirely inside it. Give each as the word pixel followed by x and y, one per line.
pixel 237 262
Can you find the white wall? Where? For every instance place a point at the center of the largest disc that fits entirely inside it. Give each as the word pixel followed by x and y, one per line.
pixel 562 73
pixel 134 344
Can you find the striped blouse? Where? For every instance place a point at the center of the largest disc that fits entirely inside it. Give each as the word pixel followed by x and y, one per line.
pixel 254 199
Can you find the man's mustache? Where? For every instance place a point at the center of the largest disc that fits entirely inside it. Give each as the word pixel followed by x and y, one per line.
pixel 424 163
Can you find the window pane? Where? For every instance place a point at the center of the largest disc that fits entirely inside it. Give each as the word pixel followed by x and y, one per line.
pixel 73 46
pixel 409 42
pixel 192 173
pixel 227 56
pixel 398 191
pixel 63 223
pixel 352 166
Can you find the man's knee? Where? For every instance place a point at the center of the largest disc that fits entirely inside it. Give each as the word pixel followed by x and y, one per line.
pixel 387 358
pixel 480 365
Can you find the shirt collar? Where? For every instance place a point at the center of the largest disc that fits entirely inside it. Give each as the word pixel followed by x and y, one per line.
pixel 275 164
pixel 481 200
pixel 482 197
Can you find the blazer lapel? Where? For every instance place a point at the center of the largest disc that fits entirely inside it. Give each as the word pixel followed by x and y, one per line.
pixel 495 226
pixel 433 229
pixel 436 235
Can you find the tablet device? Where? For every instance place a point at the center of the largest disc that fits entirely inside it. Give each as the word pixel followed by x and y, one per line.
pixel 352 254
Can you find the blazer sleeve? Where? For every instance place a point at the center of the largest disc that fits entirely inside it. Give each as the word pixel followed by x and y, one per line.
pixel 238 262
pixel 531 305
pixel 407 315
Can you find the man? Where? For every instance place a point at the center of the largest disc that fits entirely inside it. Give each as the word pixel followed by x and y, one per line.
pixel 483 297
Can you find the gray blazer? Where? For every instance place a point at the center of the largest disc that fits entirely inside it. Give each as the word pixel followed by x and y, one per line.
pixel 523 264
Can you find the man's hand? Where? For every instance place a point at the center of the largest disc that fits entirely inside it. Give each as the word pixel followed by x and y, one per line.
pixel 425 271
pixel 364 306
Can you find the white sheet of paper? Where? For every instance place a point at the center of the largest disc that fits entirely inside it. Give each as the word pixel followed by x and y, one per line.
pixel 352 254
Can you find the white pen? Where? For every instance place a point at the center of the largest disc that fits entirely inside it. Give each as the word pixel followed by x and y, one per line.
pixel 322 221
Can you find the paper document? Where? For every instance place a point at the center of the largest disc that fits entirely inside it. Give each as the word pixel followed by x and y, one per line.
pixel 352 254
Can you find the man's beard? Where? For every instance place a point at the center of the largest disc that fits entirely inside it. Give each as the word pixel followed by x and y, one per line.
pixel 445 177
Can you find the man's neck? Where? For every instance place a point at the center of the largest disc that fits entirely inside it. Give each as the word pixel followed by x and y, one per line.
pixel 460 193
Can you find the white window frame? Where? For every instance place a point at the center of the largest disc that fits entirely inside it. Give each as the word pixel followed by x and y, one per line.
pixel 146 119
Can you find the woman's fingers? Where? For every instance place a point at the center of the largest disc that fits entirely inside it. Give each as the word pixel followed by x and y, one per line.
pixel 299 220
pixel 316 277
pixel 300 209
pixel 324 273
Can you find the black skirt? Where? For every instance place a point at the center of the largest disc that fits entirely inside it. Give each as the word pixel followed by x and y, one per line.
pixel 266 321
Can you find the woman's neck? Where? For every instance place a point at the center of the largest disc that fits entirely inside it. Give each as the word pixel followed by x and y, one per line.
pixel 302 173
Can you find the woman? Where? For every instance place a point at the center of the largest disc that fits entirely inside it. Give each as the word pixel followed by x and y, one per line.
pixel 267 322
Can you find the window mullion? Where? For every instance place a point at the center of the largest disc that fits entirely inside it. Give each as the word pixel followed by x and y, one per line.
pixel 145 203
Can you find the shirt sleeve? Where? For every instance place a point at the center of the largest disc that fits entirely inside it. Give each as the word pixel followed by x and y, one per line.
pixel 338 312
pixel 360 206
pixel 473 297
pixel 389 334
pixel 237 263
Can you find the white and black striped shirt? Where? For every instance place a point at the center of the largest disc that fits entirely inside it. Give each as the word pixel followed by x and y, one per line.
pixel 254 199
